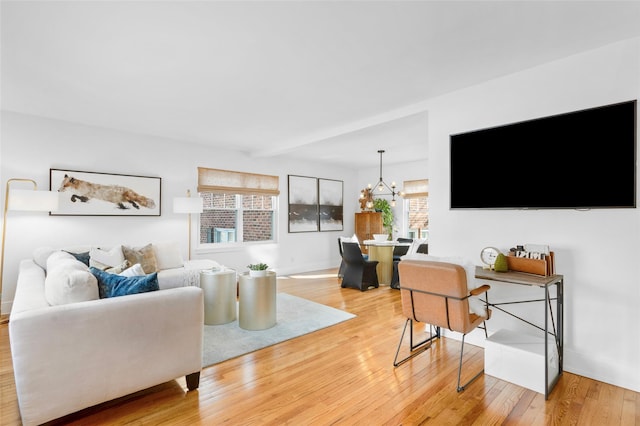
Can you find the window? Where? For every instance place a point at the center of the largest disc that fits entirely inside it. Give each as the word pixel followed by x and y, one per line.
pixel 417 208
pixel 238 207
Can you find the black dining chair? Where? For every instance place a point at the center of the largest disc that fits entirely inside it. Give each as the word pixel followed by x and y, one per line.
pixel 342 264
pixel 399 251
pixel 358 272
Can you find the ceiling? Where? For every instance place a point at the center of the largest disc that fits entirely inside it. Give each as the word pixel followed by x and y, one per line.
pixel 327 80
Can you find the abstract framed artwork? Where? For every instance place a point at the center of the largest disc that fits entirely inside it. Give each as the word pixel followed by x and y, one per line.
pixel 303 204
pixel 330 204
pixel 105 194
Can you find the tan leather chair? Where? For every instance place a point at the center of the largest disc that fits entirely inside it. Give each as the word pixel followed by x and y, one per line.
pixel 436 293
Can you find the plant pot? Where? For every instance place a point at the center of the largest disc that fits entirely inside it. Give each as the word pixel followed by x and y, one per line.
pixel 253 273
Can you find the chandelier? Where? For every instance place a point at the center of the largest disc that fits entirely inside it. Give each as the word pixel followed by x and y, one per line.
pixel 368 193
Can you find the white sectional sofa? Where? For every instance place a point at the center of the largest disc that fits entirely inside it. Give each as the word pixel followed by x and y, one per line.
pixel 74 355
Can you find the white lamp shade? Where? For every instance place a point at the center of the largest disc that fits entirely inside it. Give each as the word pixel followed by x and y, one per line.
pixel 187 205
pixel 32 200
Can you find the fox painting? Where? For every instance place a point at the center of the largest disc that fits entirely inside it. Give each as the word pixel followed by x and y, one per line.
pixel 121 196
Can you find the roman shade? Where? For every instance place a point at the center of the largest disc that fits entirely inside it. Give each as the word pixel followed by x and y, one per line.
pixel 416 188
pixel 230 182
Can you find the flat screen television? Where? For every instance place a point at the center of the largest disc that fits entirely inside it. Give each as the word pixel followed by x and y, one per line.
pixel 578 160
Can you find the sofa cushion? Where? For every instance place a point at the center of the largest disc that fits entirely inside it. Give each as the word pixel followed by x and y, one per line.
pixel 189 275
pixel 145 256
pixel 68 280
pixel 167 255
pixel 113 285
pixel 103 259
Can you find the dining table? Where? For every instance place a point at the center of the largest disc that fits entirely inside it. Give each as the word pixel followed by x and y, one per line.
pixel 382 251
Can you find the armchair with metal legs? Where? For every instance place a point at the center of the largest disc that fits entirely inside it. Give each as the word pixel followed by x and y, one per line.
pixel 436 293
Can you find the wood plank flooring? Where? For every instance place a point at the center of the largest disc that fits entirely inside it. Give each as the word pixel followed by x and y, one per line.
pixel 344 375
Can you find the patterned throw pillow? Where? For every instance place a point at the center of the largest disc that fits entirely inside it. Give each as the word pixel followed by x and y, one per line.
pixel 118 268
pixel 145 256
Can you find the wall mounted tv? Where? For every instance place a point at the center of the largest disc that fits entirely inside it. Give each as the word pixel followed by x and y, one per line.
pixel 578 160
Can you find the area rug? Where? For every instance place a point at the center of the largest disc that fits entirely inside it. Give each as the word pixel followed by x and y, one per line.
pixel 295 317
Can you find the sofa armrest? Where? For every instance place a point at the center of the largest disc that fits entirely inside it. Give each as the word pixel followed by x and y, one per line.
pixel 73 356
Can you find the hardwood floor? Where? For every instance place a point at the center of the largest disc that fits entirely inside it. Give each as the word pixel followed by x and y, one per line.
pixel 344 375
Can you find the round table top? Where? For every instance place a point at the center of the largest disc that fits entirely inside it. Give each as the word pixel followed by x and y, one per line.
pixel 384 243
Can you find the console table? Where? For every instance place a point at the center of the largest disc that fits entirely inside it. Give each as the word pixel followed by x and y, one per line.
pixel 556 329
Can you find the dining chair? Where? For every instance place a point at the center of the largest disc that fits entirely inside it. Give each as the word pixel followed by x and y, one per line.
pixel 359 273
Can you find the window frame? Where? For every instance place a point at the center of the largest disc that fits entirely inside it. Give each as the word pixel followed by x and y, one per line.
pixel 238 184
pixel 239 243
pixel 415 189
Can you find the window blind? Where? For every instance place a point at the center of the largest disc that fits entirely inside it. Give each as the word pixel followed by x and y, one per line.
pixel 231 182
pixel 416 188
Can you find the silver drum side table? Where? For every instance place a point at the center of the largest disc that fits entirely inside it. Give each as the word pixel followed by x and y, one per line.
pixel 220 290
pixel 257 301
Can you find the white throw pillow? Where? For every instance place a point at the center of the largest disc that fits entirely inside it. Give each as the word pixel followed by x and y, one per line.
pixel 103 259
pixel 168 255
pixel 135 271
pixel 68 280
pixel 41 254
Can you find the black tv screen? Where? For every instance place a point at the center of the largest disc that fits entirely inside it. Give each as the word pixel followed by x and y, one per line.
pixel 578 160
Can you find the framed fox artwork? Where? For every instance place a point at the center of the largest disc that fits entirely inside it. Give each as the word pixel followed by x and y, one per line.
pixel 105 194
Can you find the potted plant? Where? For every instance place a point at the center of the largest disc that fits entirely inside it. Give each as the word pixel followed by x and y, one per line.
pixel 381 205
pixel 258 269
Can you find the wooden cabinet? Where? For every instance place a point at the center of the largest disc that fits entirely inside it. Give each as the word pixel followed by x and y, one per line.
pixel 367 224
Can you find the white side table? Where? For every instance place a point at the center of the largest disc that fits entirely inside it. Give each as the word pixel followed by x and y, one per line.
pixel 220 290
pixel 257 301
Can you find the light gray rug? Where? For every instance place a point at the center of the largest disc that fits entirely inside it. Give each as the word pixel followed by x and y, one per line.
pixel 295 317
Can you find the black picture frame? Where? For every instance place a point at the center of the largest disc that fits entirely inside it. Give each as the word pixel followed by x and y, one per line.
pixel 330 204
pixel 303 204
pixel 85 193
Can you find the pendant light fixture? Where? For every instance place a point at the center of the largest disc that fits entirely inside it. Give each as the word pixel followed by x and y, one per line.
pixel 380 188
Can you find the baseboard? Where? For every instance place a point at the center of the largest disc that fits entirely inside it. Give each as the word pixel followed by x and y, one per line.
pixel 613 372
pixel 5 308
pixel 307 267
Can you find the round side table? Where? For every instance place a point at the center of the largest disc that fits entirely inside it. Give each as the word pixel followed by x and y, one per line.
pixel 220 290
pixel 257 301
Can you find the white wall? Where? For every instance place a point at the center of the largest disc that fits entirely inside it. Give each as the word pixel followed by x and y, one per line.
pixel 597 251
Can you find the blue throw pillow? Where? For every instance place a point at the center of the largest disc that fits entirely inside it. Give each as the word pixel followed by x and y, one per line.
pixel 112 285
pixel 82 257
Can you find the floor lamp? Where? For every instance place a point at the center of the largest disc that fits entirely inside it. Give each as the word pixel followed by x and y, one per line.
pixel 24 200
pixel 188 205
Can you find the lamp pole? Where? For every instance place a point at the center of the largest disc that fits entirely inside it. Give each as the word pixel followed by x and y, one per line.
pixel 4 228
